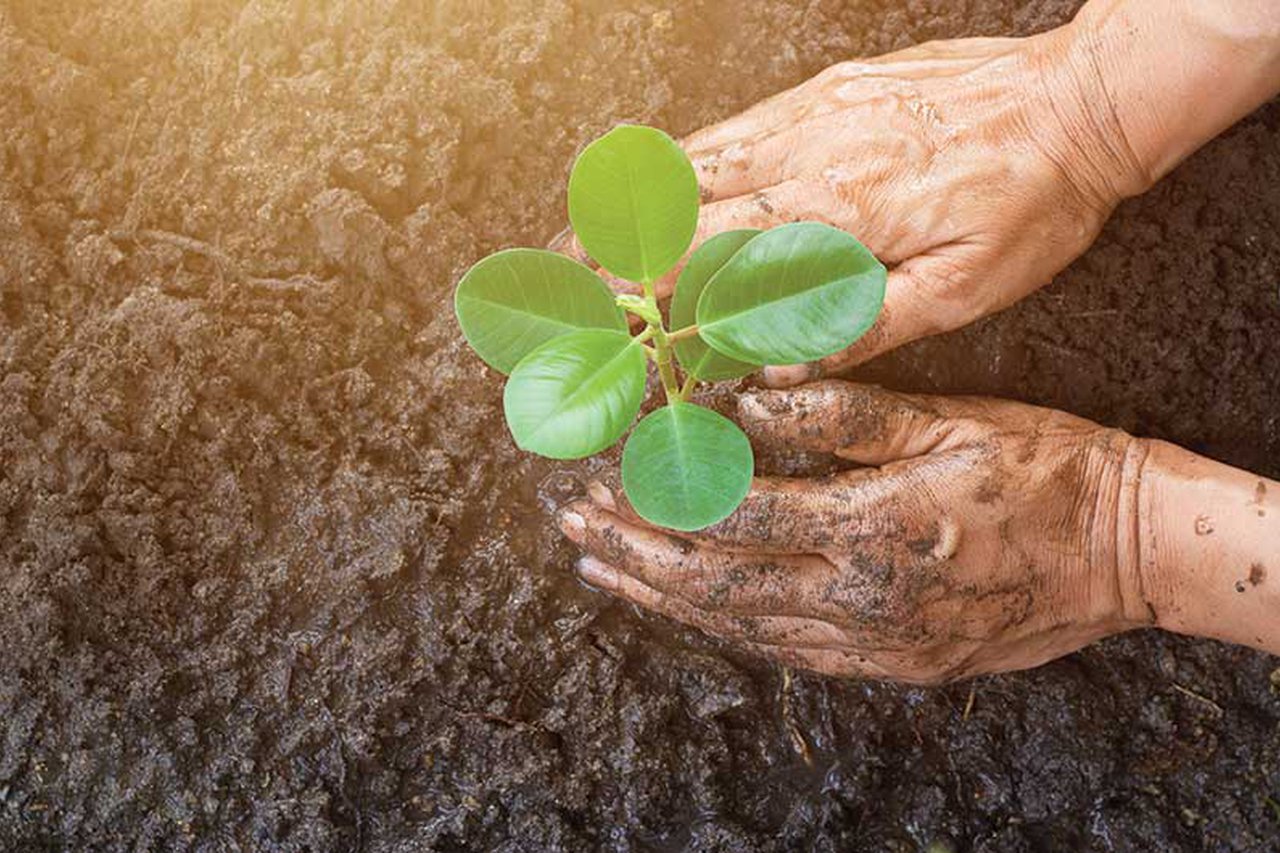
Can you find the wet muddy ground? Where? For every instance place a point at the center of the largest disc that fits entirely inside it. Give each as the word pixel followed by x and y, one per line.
pixel 272 576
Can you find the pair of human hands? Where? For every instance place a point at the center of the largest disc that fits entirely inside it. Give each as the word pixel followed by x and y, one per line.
pixel 981 535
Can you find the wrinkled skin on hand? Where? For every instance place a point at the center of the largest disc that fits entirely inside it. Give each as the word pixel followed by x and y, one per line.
pixel 976 169
pixel 982 537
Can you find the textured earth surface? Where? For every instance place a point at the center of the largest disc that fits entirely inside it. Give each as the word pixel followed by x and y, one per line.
pixel 273 577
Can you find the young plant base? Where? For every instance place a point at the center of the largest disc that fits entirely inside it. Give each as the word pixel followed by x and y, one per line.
pixel 744 299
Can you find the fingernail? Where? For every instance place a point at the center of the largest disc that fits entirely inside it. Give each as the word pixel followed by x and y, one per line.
pixel 600 494
pixel 594 573
pixel 789 375
pixel 572 523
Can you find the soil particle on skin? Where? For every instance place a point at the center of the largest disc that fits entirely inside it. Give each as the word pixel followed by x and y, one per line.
pixel 273 577
pixel 1257 574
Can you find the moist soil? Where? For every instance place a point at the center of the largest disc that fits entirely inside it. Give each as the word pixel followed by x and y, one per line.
pixel 273 576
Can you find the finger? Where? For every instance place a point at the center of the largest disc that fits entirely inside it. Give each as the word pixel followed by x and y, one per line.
pixel 786 517
pixel 811 644
pixel 925 295
pixel 772 630
pixel 740 584
pixel 762 208
pixel 759 119
pixel 744 166
pixel 867 424
pixel 889 518
pixel 608 494
pixel 602 491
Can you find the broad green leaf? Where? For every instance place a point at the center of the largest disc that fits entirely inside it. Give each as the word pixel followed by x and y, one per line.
pixel 698 359
pixel 576 394
pixel 686 467
pixel 633 202
pixel 512 302
pixel 797 293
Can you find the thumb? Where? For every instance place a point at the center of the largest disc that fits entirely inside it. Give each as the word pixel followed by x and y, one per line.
pixel 864 423
pixel 924 296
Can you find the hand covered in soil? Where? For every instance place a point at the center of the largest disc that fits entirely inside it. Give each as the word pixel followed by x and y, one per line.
pixel 984 538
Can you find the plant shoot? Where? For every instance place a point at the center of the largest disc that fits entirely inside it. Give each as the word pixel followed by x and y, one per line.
pixel 577 374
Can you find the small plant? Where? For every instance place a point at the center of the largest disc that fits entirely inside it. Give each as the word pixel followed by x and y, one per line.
pixel 792 294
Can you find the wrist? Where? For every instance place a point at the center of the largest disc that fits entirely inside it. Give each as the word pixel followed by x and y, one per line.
pixel 1132 550
pixel 1111 590
pixel 1076 119
pixel 1138 85
pixel 1207 540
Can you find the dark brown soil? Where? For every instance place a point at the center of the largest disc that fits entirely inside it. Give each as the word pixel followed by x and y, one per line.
pixel 272 576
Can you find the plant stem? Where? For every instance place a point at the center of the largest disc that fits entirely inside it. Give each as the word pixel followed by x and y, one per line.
pixel 681 334
pixel 686 389
pixel 666 370
pixel 662 347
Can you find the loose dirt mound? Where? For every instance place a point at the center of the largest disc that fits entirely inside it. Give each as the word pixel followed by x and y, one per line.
pixel 272 576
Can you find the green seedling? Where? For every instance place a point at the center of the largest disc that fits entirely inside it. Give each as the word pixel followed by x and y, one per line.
pixel 577 374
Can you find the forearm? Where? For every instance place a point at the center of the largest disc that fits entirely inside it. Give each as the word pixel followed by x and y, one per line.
pixel 1209 548
pixel 1150 81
